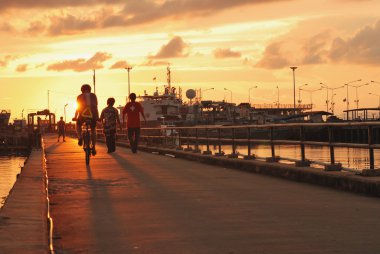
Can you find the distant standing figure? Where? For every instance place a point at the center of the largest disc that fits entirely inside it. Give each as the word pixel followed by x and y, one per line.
pixel 61 129
pixel 108 118
pixel 133 110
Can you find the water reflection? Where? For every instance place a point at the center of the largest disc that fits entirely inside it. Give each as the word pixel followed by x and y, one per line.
pixel 354 158
pixel 9 168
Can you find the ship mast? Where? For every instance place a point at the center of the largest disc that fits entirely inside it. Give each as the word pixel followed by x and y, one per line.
pixel 168 78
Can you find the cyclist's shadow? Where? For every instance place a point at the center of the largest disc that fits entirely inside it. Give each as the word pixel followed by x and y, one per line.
pixel 89 172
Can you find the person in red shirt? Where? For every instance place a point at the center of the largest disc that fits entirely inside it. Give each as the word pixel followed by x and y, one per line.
pixel 133 109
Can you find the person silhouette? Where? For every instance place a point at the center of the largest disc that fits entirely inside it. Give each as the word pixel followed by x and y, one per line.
pixel 61 129
pixel 108 118
pixel 133 109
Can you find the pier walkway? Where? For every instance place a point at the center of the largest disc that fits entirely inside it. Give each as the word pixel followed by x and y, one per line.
pixel 146 203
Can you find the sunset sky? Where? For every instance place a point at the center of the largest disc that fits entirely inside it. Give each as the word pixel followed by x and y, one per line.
pixel 55 45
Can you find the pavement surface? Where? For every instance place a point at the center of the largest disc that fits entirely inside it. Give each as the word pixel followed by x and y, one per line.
pixel 148 203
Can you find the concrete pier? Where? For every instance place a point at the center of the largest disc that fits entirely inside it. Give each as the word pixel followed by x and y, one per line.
pixel 23 221
pixel 149 203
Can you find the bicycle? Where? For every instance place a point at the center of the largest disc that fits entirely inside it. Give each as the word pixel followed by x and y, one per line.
pixel 87 146
pixel 86 135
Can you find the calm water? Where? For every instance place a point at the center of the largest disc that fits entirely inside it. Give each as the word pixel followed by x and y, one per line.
pixel 9 168
pixel 353 158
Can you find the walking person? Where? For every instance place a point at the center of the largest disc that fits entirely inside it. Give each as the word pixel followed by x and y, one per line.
pixel 108 118
pixel 61 129
pixel 133 109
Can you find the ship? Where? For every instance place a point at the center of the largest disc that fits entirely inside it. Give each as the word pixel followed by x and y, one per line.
pixel 4 117
pixel 162 108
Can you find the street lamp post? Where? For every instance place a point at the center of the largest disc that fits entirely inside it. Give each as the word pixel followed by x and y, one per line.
pixel 332 103
pixel 294 85
pixel 377 96
pixel 64 110
pixel 129 68
pixel 249 94
pixel 332 96
pixel 299 94
pixel 230 93
pixel 357 96
pixel 204 91
pixel 347 98
pixel 48 97
pixel 311 94
pixel 327 95
pixel 278 97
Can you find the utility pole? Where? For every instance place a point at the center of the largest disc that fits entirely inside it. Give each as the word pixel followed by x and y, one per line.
pixel 129 68
pixel 48 94
pixel 249 94
pixel 299 94
pixel 294 85
pixel 347 98
pixel 64 110
pixel 93 81
pixel 278 97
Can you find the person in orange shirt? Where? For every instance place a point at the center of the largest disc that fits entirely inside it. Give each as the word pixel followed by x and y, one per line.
pixel 133 109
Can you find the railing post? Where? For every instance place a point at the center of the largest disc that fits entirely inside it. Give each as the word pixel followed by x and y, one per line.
pixel 219 153
pixel 331 140
pixel 371 154
pixel 303 162
pixel 207 144
pixel 271 143
pixel 196 150
pixel 273 158
pixel 233 154
pixel 302 139
pixel 179 147
pixel 249 142
pixel 164 138
pixel 333 166
pixel 188 140
pixel 249 156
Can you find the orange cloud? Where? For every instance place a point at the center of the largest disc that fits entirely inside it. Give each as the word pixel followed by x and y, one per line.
pixel 176 47
pixel 155 63
pixel 80 65
pixel 120 65
pixel 5 60
pixel 22 68
pixel 135 12
pixel 47 4
pixel 226 53
pixel 273 58
pixel 362 48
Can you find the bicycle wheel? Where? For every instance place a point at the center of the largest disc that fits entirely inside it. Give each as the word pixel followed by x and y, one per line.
pixel 87 148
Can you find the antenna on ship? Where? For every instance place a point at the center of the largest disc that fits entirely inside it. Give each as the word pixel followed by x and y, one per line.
pixel 168 77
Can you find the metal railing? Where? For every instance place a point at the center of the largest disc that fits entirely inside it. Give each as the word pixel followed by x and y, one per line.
pixel 365 135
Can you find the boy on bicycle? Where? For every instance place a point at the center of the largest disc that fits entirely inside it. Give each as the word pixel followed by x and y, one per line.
pixel 87 110
pixel 108 118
